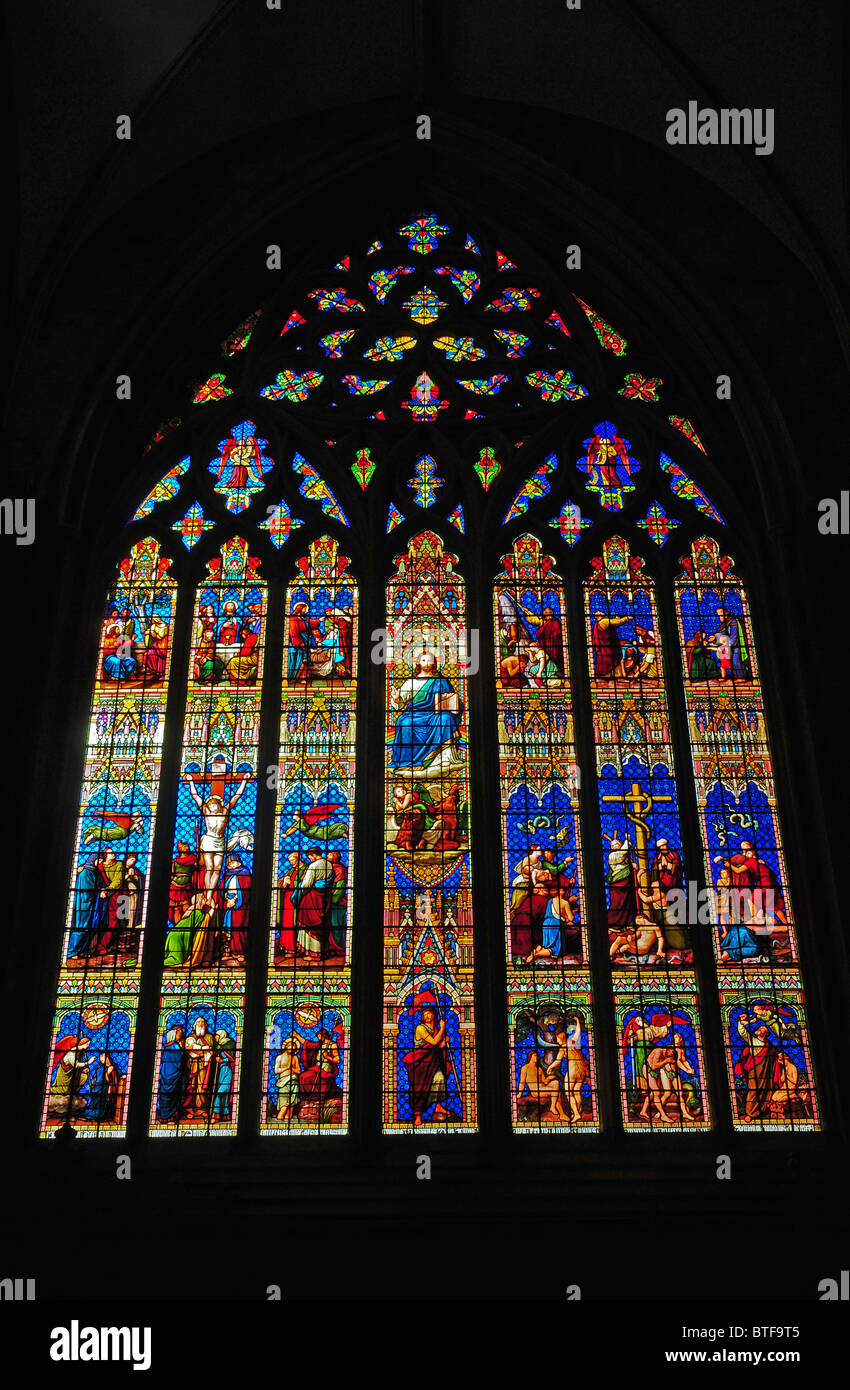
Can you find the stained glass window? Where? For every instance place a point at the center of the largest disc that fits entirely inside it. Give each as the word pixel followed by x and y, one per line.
pixel 347 415
pixel 91 1049
pixel 429 1016
pixel 749 905
pixel 308 1007
pixel 662 1071
pixel 205 939
pixel 553 1084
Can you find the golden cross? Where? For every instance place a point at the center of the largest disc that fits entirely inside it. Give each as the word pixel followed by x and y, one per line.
pixel 641 802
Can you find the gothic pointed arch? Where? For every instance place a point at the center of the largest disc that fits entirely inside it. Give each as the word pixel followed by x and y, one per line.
pixel 403 411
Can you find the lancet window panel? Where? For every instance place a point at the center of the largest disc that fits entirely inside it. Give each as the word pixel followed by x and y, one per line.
pixel 428 1002
pixel 750 913
pixel 307 1055
pixel 552 1050
pixel 93 1035
pixel 208 928
pixel 662 1063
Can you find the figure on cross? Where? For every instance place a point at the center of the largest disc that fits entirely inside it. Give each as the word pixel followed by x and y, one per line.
pixel 215 811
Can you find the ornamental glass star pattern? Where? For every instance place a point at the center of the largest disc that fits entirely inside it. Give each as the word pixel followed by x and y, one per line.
pixel 213 389
pixel 192 525
pixel 657 524
pixel 280 523
pixel 425 483
pixel 640 388
pixel 569 523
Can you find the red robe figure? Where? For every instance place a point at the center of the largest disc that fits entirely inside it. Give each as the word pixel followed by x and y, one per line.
pixel 551 638
pixel 312 898
pixel 427 1065
pixel 345 628
pixel 607 648
pixel 287 884
pixel 320 1064
pixel 183 881
pixel 299 642
pixel 666 868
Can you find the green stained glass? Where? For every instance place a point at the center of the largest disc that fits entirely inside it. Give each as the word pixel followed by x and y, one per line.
pixel 292 386
pixel 192 526
pixel 570 523
pixel 424 233
pixel 166 487
pixel 487 467
pixel 390 349
pixel 363 468
pixel 425 306
pixel 608 336
pixel 425 483
pixel 241 336
pixel 460 349
pixel 316 489
pixel 657 524
pixel 333 343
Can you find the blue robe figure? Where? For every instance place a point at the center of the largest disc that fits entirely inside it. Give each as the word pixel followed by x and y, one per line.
pixel 104 1094
pixel 91 911
pixel 119 668
pixel 739 943
pixel 223 1085
pixel 552 929
pixel 421 730
pixel 172 1075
